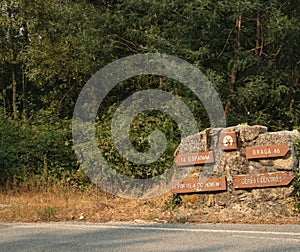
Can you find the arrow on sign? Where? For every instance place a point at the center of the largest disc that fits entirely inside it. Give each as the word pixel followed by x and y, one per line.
pixel 199 185
pixel 262 180
pixel 194 158
pixel 267 151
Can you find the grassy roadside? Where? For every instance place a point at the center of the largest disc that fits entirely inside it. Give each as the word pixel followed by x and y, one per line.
pixel 69 204
pixel 42 199
pixel 92 205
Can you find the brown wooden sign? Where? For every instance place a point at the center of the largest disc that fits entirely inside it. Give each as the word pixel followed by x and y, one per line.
pixel 199 185
pixel 262 180
pixel 266 151
pixel 228 141
pixel 195 158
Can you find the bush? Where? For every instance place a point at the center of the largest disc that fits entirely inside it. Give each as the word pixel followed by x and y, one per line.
pixel 296 182
pixel 141 127
pixel 37 148
pixel 173 202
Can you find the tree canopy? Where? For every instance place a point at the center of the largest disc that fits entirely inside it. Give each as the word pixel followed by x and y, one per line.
pixel 249 49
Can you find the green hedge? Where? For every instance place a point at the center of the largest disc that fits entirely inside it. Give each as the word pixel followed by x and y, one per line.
pixel 38 147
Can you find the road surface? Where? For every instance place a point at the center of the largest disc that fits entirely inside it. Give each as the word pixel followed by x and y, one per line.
pixel 147 237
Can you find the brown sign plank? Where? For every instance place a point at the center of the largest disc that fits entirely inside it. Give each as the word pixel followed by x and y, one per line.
pixel 262 180
pixel 195 158
pixel 228 141
pixel 266 151
pixel 199 185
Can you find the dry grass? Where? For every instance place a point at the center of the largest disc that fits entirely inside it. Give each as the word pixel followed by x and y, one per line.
pixel 60 204
pixel 68 204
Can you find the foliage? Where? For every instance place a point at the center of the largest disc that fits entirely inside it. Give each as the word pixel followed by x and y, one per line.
pixel 296 184
pixel 142 126
pixel 296 181
pixel 48 214
pixel 173 202
pixel 40 148
pixel 49 49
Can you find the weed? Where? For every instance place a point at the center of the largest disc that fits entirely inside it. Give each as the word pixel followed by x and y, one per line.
pixel 48 213
pixel 173 202
pixel 296 181
pixel 182 219
pixel 153 217
pixel 296 184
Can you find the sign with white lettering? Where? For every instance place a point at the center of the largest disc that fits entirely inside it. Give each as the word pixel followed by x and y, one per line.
pixel 199 185
pixel 228 141
pixel 194 158
pixel 262 180
pixel 266 151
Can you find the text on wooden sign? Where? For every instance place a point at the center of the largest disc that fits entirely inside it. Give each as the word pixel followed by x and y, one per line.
pixel 262 180
pixel 194 158
pixel 266 151
pixel 199 185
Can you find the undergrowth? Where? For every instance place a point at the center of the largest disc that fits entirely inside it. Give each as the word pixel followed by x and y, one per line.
pixel 296 181
pixel 173 202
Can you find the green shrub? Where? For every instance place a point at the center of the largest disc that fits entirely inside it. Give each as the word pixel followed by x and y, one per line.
pixel 47 214
pixel 38 148
pixel 296 181
pixel 173 202
pixel 141 128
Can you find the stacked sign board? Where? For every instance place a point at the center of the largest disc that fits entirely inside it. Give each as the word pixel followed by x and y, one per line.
pixel 199 185
pixel 229 143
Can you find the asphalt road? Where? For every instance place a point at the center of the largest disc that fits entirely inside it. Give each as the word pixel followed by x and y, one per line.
pixel 156 237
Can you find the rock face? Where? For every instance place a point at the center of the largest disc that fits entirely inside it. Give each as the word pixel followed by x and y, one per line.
pixel 269 200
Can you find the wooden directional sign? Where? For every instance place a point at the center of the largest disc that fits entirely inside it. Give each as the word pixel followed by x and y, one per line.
pixel 262 180
pixel 228 141
pixel 194 158
pixel 266 151
pixel 199 185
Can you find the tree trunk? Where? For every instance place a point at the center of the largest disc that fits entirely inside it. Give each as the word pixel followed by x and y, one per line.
pixel 24 82
pixel 234 71
pixel 24 77
pixel 160 82
pixel 3 89
pixel 258 43
pixel 239 31
pixel 14 87
pixel 258 32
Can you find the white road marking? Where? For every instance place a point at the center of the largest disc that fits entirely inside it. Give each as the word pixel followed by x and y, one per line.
pixel 206 230
pixel 268 238
pixel 133 227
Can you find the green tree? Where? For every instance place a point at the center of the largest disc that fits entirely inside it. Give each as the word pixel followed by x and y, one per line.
pixel 68 44
pixel 14 37
pixel 49 49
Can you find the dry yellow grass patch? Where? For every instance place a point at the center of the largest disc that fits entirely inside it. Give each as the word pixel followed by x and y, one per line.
pixel 93 205
pixel 59 204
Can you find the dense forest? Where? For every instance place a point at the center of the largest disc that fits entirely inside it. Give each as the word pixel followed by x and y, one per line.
pixel 249 50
